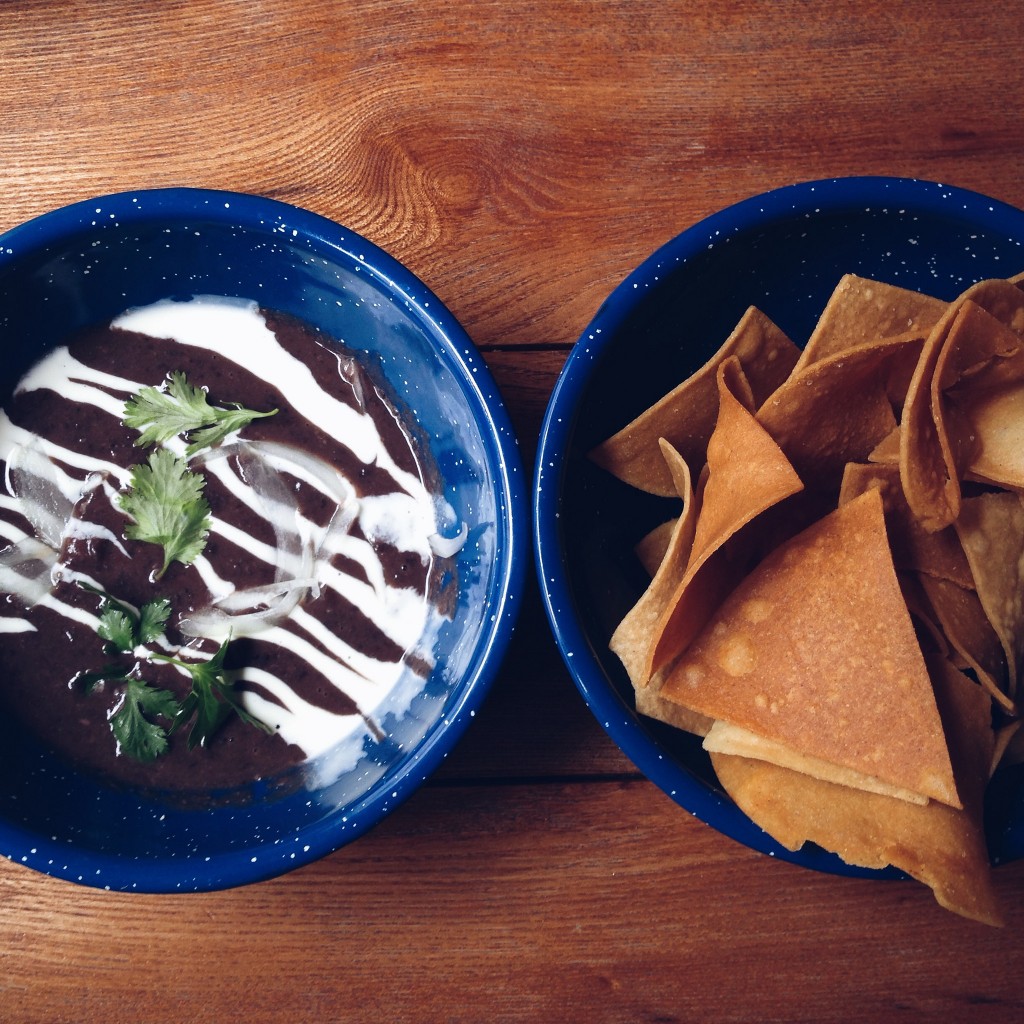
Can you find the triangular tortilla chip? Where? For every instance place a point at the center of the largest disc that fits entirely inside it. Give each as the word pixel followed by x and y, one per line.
pixel 887 451
pixel 686 416
pixel 936 844
pixel 933 452
pixel 981 364
pixel 994 420
pixel 725 738
pixel 970 634
pixel 633 637
pixel 938 554
pixel 838 409
pixel 651 549
pixel 926 622
pixel 816 649
pixel 861 311
pixel 746 474
pixel 991 529
pixel 650 702
pixel 931 486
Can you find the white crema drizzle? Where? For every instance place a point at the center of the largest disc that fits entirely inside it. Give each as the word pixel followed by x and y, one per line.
pixel 407 518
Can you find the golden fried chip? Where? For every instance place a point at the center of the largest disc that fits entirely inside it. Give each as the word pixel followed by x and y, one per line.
pixel 815 649
pixel 991 529
pixel 887 451
pixel 686 416
pixel 632 639
pixel 926 623
pixel 993 419
pixel 746 474
pixel 838 409
pixel 651 549
pixel 937 554
pixel 978 374
pixel 861 311
pixel 936 844
pixel 969 633
pixel 933 452
pixel 726 738
pixel 651 703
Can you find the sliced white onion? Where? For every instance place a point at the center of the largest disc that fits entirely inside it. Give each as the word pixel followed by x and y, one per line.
pixel 25 570
pixel 448 547
pixel 334 484
pixel 32 479
pixel 251 610
pixel 239 601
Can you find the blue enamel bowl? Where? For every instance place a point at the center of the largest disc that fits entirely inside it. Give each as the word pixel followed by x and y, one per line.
pixel 784 252
pixel 86 263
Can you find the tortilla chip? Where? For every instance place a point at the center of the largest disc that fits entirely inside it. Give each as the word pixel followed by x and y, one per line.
pixel 970 634
pixel 887 451
pixel 1002 299
pixel 651 703
pixel 991 529
pixel 979 372
pixel 926 624
pixel 930 482
pixel 938 554
pixel 994 420
pixel 746 474
pixel 934 452
pixel 816 649
pixel 651 549
pixel 861 311
pixel 724 738
pixel 978 345
pixel 631 642
pixel 838 409
pixel 686 416
pixel 936 844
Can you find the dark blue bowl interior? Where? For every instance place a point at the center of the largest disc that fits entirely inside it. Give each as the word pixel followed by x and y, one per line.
pixel 86 263
pixel 783 252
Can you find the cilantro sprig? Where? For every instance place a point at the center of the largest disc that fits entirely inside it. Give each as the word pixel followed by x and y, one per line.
pixel 123 629
pixel 165 501
pixel 211 700
pixel 184 410
pixel 166 505
pixel 165 497
pixel 134 721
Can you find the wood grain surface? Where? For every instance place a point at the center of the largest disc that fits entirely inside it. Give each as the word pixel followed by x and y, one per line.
pixel 521 158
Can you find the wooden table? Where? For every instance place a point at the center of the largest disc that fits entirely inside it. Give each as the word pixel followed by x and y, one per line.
pixel 521 158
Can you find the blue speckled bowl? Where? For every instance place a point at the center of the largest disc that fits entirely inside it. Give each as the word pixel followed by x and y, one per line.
pixel 783 252
pixel 86 263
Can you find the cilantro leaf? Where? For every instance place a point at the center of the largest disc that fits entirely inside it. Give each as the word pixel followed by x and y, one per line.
pixel 153 616
pixel 123 628
pixel 137 735
pixel 211 699
pixel 166 502
pixel 185 410
pixel 117 628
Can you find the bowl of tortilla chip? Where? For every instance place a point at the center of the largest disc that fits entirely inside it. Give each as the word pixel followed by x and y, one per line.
pixel 779 516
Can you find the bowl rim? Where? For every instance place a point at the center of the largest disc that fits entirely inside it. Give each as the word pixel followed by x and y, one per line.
pixel 166 873
pixel 800 199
